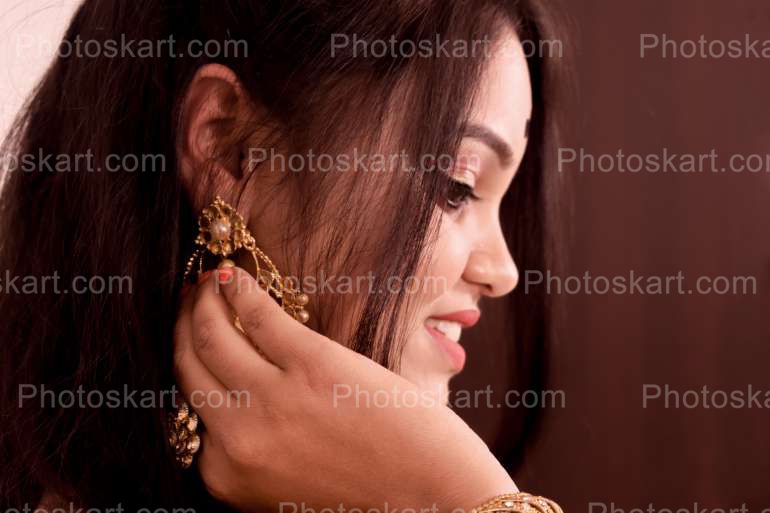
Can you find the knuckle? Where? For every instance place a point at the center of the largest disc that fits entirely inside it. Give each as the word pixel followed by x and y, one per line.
pixel 178 363
pixel 254 318
pixel 179 332
pixel 203 340
pixel 311 364
pixel 178 342
pixel 244 450
pixel 240 398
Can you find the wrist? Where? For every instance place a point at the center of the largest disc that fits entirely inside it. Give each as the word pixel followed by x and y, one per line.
pixel 474 491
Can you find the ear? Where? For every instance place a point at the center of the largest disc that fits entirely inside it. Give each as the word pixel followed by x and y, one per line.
pixel 209 156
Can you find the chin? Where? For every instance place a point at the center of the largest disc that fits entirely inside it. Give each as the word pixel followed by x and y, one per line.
pixel 427 366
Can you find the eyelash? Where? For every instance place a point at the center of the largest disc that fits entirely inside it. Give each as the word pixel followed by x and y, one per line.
pixel 459 189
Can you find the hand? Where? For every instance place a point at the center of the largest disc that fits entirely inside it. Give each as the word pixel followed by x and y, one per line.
pixel 291 424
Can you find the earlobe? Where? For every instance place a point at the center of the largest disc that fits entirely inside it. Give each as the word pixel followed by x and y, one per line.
pixel 208 151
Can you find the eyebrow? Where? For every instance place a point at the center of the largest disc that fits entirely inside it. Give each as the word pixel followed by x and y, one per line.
pixel 485 135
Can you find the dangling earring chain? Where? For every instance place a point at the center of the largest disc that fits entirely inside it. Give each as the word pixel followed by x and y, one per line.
pixel 222 232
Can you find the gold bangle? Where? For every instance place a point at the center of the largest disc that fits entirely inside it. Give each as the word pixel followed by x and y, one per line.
pixel 519 502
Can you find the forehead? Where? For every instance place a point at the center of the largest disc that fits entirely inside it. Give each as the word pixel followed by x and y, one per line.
pixel 504 100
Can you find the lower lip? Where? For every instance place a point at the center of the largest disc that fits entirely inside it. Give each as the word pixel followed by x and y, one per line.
pixel 454 351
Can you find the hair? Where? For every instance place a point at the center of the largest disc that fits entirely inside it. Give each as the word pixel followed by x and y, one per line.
pixel 91 223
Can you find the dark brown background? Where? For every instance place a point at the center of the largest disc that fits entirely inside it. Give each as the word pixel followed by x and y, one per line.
pixel 604 447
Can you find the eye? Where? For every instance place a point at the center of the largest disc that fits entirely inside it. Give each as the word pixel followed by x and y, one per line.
pixel 458 194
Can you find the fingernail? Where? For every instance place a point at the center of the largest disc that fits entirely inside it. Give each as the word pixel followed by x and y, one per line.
pixel 225 275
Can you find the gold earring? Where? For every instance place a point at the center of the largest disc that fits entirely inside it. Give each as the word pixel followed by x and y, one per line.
pixel 182 435
pixel 222 233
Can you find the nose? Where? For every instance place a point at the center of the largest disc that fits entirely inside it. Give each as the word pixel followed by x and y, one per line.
pixel 491 267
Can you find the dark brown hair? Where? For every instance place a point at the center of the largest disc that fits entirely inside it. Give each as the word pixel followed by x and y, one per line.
pixel 140 224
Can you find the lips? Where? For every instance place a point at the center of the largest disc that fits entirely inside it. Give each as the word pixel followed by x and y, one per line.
pixel 466 318
pixel 446 331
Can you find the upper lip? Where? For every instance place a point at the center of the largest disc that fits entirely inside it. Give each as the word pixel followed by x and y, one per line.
pixel 466 318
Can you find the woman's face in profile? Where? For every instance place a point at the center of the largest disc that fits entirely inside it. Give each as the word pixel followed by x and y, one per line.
pixel 468 259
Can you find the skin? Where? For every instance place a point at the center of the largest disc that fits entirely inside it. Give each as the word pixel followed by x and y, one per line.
pixel 470 257
pixel 298 438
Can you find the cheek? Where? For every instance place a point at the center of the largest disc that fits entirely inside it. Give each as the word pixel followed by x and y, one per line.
pixel 449 258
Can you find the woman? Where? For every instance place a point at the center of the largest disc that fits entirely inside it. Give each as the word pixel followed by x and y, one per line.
pixel 307 79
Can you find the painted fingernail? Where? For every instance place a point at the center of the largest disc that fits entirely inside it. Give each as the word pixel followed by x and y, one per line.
pixel 225 275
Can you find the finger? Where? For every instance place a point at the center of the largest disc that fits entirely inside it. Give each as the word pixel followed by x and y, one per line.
pixel 197 384
pixel 282 338
pixel 225 352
